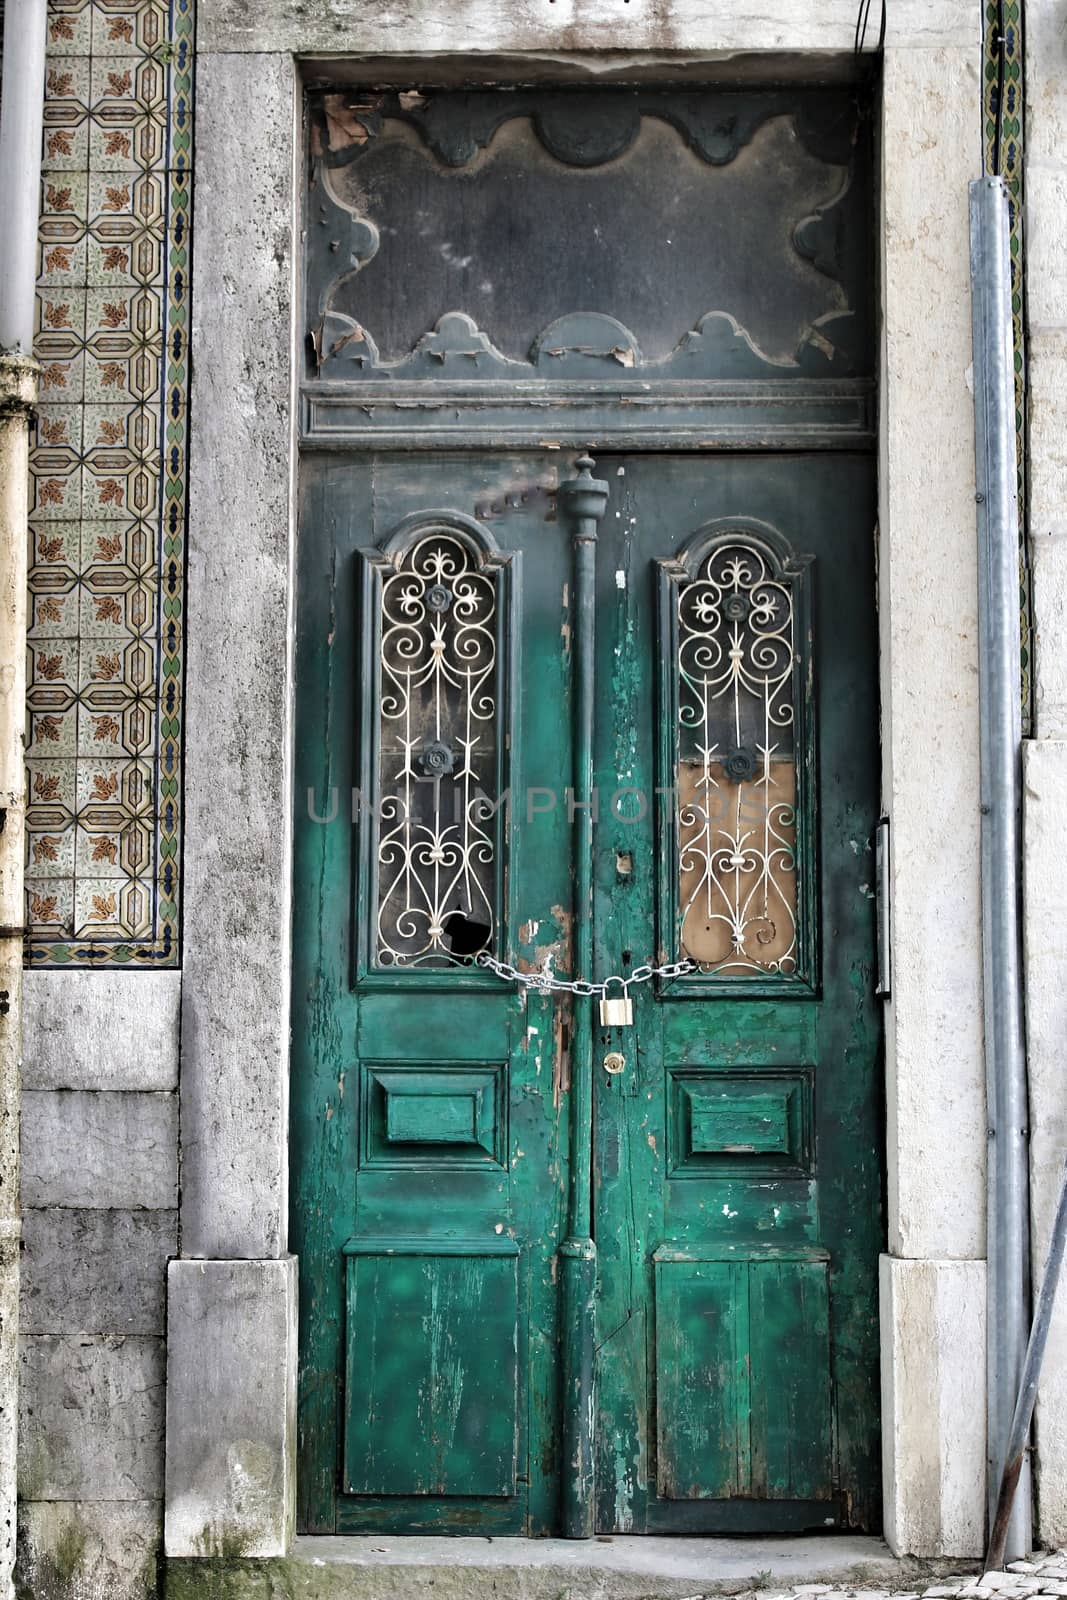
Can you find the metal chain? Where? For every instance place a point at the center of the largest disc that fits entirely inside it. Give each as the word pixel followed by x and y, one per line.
pixel 544 980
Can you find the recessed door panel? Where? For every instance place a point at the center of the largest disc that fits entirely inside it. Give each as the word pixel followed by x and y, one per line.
pixel 431 1369
pixel 743 1380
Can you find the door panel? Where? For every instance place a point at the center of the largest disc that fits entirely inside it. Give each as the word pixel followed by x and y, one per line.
pixel 429 1099
pixel 735 1177
pixel 738 1150
pixel 742 1380
pixel 431 1378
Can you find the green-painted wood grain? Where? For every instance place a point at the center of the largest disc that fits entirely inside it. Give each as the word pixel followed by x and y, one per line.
pixel 702 1380
pixel 792 1418
pixel 740 1125
pixel 825 1034
pixel 431 1374
pixel 723 1227
pixel 343 1185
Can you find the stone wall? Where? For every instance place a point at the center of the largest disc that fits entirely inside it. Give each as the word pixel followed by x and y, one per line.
pixel 104 728
pixel 100 1195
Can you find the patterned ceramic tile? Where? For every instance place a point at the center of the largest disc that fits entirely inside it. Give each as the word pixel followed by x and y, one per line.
pixel 1003 144
pixel 108 510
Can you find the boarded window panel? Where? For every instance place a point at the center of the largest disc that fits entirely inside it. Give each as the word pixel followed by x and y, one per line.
pixel 738 878
pixel 740 697
pixel 519 211
pixel 431 1379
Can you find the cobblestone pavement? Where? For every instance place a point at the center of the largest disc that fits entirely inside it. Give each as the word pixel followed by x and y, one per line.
pixel 1023 1580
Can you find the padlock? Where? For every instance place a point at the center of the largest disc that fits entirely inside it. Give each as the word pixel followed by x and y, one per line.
pixel 616 1012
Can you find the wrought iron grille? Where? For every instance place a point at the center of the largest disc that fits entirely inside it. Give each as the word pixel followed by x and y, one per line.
pixel 737 764
pixel 437 766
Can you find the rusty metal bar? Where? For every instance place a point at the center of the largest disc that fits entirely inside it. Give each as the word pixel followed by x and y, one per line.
pixel 1024 1405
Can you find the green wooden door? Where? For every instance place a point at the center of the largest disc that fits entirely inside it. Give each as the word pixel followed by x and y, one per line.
pixel 537 1294
pixel 737 1198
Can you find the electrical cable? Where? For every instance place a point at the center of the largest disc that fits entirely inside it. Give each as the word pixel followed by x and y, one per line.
pixel 862 17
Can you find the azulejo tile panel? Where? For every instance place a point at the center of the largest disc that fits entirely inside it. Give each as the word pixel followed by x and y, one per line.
pixel 1002 142
pixel 107 522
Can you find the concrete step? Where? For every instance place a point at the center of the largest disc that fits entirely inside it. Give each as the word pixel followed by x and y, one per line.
pixel 608 1568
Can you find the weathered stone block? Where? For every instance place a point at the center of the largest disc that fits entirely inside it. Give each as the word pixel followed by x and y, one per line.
pixel 1047 379
pixel 96 1271
pixel 235 1018
pixel 935 1080
pixel 99 1150
pixel 90 1418
pixel 1046 84
pixel 231 1407
pixel 88 1551
pixel 1046 245
pixel 933 1316
pixel 479 26
pixel 100 1030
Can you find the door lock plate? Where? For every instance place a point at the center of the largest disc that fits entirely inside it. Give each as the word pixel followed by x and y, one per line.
pixel 614 1062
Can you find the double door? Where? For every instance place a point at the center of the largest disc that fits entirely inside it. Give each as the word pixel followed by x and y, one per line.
pixel 561 1273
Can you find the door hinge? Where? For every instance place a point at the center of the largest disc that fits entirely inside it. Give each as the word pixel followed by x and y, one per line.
pixel 884 981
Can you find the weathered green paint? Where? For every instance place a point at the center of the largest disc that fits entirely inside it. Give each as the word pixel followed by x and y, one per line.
pixel 431 1378
pixel 363 1041
pixel 582 500
pixel 743 1378
pixel 728 1262
pixel 809 1044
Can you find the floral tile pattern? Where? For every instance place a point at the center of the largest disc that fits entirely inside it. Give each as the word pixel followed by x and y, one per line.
pixel 1002 142
pixel 107 518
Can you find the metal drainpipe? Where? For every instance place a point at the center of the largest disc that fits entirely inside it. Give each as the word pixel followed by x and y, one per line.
pixel 1008 1234
pixel 21 117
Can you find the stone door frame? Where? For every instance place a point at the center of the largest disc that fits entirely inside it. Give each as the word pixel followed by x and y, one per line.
pixel 232 1351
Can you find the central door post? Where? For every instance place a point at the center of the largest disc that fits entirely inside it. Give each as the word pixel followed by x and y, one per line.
pixel 584 499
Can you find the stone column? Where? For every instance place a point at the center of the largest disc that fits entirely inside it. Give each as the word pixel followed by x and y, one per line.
pixel 933 1276
pixel 231 1366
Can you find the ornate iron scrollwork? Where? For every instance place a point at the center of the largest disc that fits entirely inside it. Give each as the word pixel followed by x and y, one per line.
pixel 736 702
pixel 438 745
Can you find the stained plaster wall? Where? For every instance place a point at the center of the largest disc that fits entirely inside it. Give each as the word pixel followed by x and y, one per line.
pixel 1045 764
pixel 93 1369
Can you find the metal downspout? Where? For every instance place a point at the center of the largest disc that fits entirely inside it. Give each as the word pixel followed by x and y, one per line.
pixel 21 115
pixel 584 499
pixel 1008 1237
